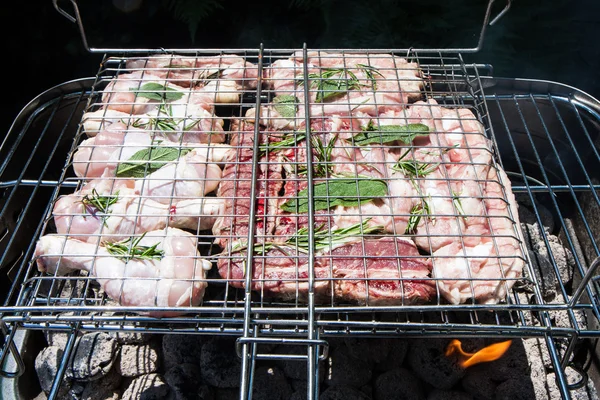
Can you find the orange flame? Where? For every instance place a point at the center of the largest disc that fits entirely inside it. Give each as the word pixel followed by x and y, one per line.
pixel 487 354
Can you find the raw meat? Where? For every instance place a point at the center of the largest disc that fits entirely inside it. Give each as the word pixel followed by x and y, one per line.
pixel 175 279
pixel 119 212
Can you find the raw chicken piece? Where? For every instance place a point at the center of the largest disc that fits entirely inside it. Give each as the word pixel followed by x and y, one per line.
pixel 175 279
pixel 383 82
pixel 141 93
pixel 102 155
pixel 116 211
pixel 223 75
pixel 188 123
pixel 488 270
pixel 190 177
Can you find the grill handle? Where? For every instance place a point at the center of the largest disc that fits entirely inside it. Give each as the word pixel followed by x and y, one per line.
pixel 10 347
pixel 488 20
pixel 283 341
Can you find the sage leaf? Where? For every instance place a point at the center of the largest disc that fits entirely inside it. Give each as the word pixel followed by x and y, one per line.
pixel 389 133
pixel 148 160
pixel 158 92
pixel 337 192
pixel 285 105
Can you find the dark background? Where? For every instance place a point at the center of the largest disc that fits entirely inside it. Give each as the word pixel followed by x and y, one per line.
pixel 554 40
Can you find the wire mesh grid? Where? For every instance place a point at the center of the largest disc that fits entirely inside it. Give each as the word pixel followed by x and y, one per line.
pixel 189 172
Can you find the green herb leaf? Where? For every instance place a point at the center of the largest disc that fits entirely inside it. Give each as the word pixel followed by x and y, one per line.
pixel 415 216
pixel 390 133
pixel 285 143
pixel 332 83
pixel 324 238
pixel 286 105
pixel 158 92
pixel 149 160
pixel 337 192
pixel 130 248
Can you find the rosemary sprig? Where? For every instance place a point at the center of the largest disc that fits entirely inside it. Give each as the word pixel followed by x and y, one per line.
pixel 95 203
pixel 413 168
pixel 130 248
pixel 370 72
pixel 285 143
pixel 416 213
pixel 331 83
pixel 164 121
pixel 458 204
pixel 324 238
pixel 322 164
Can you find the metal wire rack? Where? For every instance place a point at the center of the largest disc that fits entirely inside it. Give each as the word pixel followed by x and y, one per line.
pixel 234 124
pixel 243 306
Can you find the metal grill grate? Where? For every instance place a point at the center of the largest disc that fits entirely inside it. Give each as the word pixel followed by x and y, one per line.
pixel 536 140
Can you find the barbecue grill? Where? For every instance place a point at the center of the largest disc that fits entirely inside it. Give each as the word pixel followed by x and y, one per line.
pixel 544 135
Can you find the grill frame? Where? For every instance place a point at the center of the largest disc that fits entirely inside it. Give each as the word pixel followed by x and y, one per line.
pixel 306 325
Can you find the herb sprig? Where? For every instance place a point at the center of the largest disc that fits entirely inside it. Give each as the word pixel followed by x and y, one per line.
pixel 94 202
pixel 322 163
pixel 416 213
pixel 331 83
pixel 130 248
pixel 323 238
pixel 157 92
pixel 412 168
pixel 372 134
pixel 286 143
pixel 347 192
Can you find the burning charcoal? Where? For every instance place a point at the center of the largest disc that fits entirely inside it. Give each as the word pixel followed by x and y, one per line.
pixel 398 384
pixel 515 389
pixel 132 337
pixel 513 364
pixel 103 389
pixel 219 364
pixel 533 348
pixel 346 370
pixel 372 351
pixel 137 360
pixel 93 357
pixel 227 394
pixel 180 349
pixel 56 338
pixel 527 214
pixel 147 387
pixel 298 396
pixel 543 265
pixel 427 359
pixel 439 394
pixel 293 369
pixel 270 384
pixel 395 356
pixel 478 382
pixel 185 383
pixel 342 393
pixel 46 366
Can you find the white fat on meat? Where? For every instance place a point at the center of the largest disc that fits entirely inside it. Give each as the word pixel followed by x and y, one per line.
pixel 178 279
pixel 488 270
